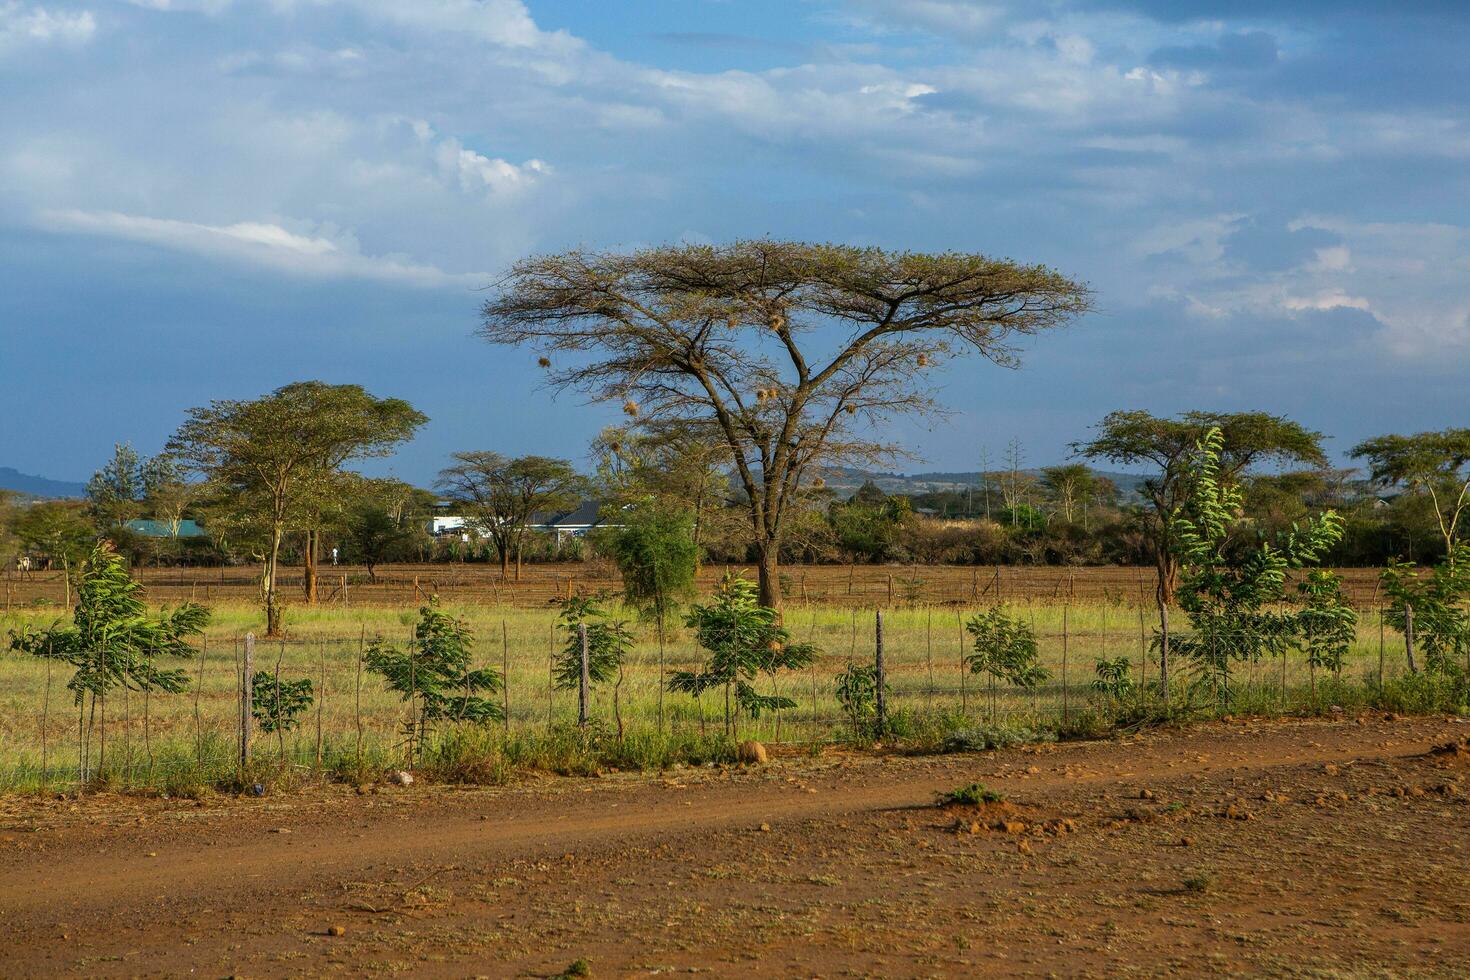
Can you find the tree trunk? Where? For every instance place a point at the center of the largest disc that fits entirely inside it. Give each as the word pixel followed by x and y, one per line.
pixel 770 576
pixel 1167 567
pixel 272 607
pixel 309 570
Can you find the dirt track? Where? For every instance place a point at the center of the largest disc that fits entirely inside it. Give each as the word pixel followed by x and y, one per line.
pixel 1284 848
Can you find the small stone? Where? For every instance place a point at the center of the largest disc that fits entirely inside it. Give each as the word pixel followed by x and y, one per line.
pixel 1014 827
pixel 153 854
pixel 363 789
pixel 281 830
pixel 336 930
pixel 1023 847
pixel 751 752
pixel 401 777
pixel 1145 794
pixel 1186 842
pixel 765 828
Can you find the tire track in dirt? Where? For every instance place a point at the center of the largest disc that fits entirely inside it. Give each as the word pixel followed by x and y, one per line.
pixel 130 869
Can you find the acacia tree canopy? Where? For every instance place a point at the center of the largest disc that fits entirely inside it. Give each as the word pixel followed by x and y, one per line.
pixel 1435 463
pixel 502 493
pixel 1167 445
pixel 271 456
pixel 791 353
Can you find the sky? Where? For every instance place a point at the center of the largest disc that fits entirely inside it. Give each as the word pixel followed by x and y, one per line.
pixel 206 199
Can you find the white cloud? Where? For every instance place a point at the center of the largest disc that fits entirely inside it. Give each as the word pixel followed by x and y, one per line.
pixel 501 22
pixel 1412 278
pixel 21 26
pixel 961 17
pixel 323 252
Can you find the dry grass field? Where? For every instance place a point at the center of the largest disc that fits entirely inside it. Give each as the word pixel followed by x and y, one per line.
pixel 357 722
pixel 541 584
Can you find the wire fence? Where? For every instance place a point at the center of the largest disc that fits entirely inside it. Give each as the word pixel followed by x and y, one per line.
pixel 853 585
pixel 50 739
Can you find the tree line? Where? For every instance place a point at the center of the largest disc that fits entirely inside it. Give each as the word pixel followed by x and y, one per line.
pixel 747 372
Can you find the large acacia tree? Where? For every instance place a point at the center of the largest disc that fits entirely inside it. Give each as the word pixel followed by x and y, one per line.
pixel 790 353
pixel 270 458
pixel 1169 445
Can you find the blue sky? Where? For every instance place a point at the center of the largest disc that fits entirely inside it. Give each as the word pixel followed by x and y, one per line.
pixel 209 198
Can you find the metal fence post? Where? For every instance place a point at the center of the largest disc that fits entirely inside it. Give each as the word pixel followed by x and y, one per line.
pixel 880 677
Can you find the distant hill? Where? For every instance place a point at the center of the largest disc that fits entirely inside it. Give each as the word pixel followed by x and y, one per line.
pixel 39 486
pixel 847 479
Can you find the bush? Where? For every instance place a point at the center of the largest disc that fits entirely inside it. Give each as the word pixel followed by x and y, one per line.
pixel 971 795
pixel 983 739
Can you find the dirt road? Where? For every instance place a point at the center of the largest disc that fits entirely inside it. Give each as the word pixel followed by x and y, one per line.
pixel 1305 847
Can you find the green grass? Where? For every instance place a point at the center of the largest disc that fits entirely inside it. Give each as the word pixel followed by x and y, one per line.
pixel 971 795
pixel 189 739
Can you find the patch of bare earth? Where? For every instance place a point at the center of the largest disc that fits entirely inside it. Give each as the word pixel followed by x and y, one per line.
pixel 1296 848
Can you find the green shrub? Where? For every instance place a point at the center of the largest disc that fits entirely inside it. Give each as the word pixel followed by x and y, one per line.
pixel 971 795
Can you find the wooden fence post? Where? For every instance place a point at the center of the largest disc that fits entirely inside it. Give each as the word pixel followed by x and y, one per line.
pixel 1409 637
pixel 959 619
pixel 1380 649
pixel 1066 703
pixel 247 694
pixel 880 676
pixel 1164 651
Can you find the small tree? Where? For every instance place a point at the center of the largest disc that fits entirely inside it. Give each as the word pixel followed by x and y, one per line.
pixel 856 690
pixel 745 639
pixel 1114 679
pixel 1228 592
pixel 1003 649
pixel 278 705
pixel 1439 602
pixel 656 551
pixel 113 642
pixel 434 675
pixel 658 558
pixel 1327 625
pixel 608 643
pixel 59 529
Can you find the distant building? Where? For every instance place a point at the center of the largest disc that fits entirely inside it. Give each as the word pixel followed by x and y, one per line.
pixel 166 529
pixel 564 524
